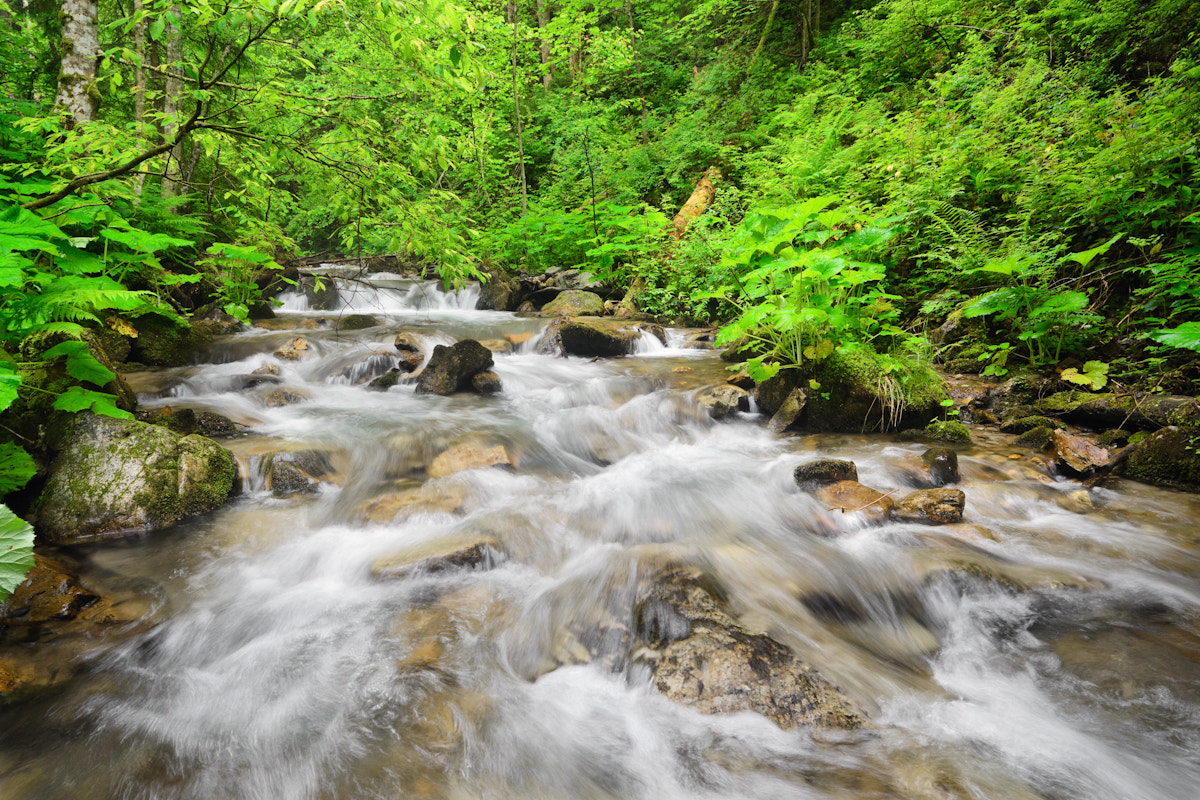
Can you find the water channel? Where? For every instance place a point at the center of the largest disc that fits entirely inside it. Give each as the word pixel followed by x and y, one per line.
pixel 1049 647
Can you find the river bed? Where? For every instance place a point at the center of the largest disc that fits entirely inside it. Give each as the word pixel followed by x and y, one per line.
pixel 1048 647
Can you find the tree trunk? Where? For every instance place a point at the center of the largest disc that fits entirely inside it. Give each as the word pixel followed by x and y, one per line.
pixel 543 18
pixel 512 10
pixel 766 32
pixel 172 97
pixel 702 197
pixel 77 94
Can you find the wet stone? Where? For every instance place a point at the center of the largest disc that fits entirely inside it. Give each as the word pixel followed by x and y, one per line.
pixel 851 497
pixel 1076 453
pixel 721 401
pixel 439 556
pixel 932 506
pixel 469 455
pixel 277 398
pixel 293 350
pixel 789 412
pixel 417 500
pixel 1035 439
pixel 824 472
pixel 486 382
pixel 701 657
pixel 942 463
pixel 450 369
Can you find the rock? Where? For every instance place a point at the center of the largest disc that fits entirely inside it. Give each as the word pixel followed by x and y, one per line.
pixel 410 361
pixel 721 401
pixel 741 379
pixel 385 381
pixel 497 292
pixel 486 382
pixel 115 476
pixel 1028 423
pixel 438 556
pixel 701 657
pixel 277 398
pixel 932 506
pixel 187 421
pixel 771 394
pixel 579 280
pixel 949 431
pixel 1036 438
pixel 862 391
pixel 417 500
pixel 267 369
pixel 355 322
pixel 824 472
pixel 1076 453
pixel 379 363
pixel 497 346
pixel 1114 437
pixel 574 303
pixel 1129 411
pixel 299 471
pixel 407 343
pixel 851 496
pixel 942 463
pixel 517 339
pixel 1170 457
pixel 450 369
pixel 789 412
pixel 469 455
pixel 163 343
pixel 591 336
pixel 290 324
pixel 322 293
pixel 293 349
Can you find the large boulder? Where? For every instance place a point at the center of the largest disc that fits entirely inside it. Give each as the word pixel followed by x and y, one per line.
pixel 450 369
pixel 701 657
pixel 499 290
pixel 574 303
pixel 115 476
pixel 1141 412
pixel 863 391
pixel 592 336
pixel 1170 457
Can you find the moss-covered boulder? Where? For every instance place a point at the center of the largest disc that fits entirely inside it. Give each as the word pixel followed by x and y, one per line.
pixel 864 391
pixel 1028 423
pixel 1170 457
pixel 163 343
pixel 950 431
pixel 1132 411
pixel 574 303
pixel 116 476
pixel 592 336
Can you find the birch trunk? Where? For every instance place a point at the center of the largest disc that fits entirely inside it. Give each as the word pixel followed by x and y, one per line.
pixel 77 94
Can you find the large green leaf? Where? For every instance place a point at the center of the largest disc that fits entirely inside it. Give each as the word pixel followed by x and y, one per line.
pixel 9 381
pixel 1186 336
pixel 79 399
pixel 81 364
pixel 16 468
pixel 16 551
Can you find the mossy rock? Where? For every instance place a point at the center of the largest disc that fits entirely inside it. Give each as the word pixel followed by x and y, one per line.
pixel 1023 424
pixel 950 431
pixel 574 303
pixel 116 476
pixel 863 391
pixel 966 360
pixel 1170 457
pixel 1063 402
pixel 162 343
pixel 356 322
pixel 1035 438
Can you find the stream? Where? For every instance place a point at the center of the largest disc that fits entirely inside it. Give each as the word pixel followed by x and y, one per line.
pixel 1046 648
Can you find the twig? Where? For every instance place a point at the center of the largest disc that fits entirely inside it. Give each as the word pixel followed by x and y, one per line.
pixel 860 508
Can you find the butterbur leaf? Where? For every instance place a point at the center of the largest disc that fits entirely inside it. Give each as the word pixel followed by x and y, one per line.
pixel 1094 375
pixel 16 551
pixel 1186 336
pixel 760 370
pixel 16 468
pixel 81 364
pixel 79 399
pixel 1062 303
pixel 9 381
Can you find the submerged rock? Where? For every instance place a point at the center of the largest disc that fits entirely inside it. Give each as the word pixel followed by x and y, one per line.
pixel 701 657
pixel 115 476
pixel 486 382
pixel 932 506
pixel 824 472
pixel 299 471
pixel 852 497
pixel 293 350
pixel 438 556
pixel 450 369
pixel 469 455
pixel 574 303
pixel 416 500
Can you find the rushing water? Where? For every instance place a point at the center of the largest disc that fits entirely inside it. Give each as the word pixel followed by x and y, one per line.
pixel 1047 649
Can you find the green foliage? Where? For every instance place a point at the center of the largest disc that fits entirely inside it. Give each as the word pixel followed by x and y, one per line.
pixel 1185 336
pixel 803 284
pixel 1093 374
pixel 16 551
